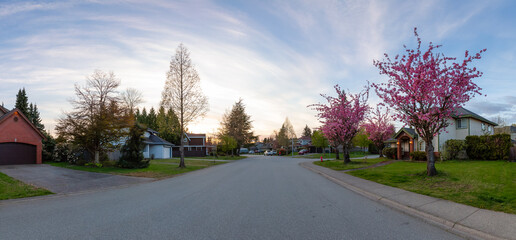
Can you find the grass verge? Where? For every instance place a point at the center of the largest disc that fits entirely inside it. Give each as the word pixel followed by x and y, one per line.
pixel 483 184
pixel 11 188
pixel 162 168
pixel 339 165
pixel 217 158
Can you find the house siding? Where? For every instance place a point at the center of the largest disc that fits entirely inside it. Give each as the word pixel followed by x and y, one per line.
pixel 20 132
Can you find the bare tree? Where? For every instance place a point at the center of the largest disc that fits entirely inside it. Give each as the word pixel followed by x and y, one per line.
pixel 182 92
pixel 97 119
pixel 131 98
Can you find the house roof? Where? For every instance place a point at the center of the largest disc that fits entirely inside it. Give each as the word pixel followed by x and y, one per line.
pixel 390 140
pixel 155 140
pixel 17 111
pixel 464 113
pixel 410 131
pixel 307 138
pixel 152 131
pixel 3 110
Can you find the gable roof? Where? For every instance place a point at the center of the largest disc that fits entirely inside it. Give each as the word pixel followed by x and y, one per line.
pixel 3 110
pixel 153 139
pixel 19 113
pixel 410 131
pixel 465 113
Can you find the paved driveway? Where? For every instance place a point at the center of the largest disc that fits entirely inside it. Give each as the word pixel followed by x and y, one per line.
pixel 62 180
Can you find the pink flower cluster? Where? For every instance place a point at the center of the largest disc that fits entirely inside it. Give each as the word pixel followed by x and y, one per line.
pixel 379 127
pixel 426 88
pixel 342 116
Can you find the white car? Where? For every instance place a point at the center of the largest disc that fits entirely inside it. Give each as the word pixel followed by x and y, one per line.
pixel 268 153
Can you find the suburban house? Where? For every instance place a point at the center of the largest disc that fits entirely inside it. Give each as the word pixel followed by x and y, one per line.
pixel 20 140
pixel 304 141
pixel 156 147
pixel 194 145
pixel 465 123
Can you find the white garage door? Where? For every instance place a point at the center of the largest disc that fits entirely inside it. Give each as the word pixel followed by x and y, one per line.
pixel 167 153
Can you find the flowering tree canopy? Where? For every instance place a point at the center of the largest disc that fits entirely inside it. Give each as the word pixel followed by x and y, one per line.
pixel 379 128
pixel 426 88
pixel 342 116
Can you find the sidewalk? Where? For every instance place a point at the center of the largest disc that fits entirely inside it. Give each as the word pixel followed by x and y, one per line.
pixel 461 219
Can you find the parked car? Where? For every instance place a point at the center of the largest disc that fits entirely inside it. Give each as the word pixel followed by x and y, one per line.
pixel 269 153
pixel 251 152
pixel 302 151
pixel 274 152
pixel 244 150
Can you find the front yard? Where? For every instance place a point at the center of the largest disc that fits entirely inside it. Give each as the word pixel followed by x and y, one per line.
pixel 339 165
pixel 162 168
pixel 12 188
pixel 483 184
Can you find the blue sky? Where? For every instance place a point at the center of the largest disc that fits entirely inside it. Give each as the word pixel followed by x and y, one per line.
pixel 278 56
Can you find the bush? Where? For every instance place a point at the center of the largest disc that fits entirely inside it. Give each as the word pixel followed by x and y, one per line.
pixel 66 152
pixel 282 152
pixel 454 149
pixel 418 156
pixel 373 149
pixel 490 147
pixel 390 152
pixel 132 155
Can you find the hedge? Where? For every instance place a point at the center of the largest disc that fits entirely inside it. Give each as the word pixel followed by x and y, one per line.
pixel 490 147
pixel 390 152
pixel 418 156
pixel 454 149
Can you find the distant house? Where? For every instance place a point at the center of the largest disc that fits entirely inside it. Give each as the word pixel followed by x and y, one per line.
pixel 194 145
pixel 156 147
pixel 304 141
pixel 465 123
pixel 20 140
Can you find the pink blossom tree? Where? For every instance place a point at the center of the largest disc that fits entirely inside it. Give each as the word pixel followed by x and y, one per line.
pixel 341 118
pixel 426 88
pixel 379 128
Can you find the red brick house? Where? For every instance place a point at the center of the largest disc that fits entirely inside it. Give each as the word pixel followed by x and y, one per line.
pixel 20 140
pixel 195 146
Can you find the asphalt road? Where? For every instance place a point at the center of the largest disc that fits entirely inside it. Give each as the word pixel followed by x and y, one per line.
pixel 254 198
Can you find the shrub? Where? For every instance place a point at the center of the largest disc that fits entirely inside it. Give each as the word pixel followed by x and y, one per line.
pixel 373 149
pixel 490 147
pixel 418 156
pixel 282 152
pixel 390 152
pixel 454 149
pixel 66 152
pixel 131 153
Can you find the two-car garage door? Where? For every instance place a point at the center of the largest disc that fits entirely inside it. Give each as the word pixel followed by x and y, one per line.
pixel 17 153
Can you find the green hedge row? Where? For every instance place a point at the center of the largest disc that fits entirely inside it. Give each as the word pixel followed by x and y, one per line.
pixel 390 152
pixel 491 147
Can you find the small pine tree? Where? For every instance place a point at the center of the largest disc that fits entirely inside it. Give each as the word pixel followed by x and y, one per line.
pixel 35 118
pixel 132 155
pixel 49 147
pixel 22 102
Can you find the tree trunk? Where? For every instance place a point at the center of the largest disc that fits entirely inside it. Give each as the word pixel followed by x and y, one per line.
pixel 380 150
pixel 182 150
pixel 346 154
pixel 430 159
pixel 337 157
pixel 97 160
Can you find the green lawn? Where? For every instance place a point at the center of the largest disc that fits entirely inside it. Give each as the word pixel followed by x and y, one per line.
pixel 483 184
pixel 332 155
pixel 162 168
pixel 12 188
pixel 339 165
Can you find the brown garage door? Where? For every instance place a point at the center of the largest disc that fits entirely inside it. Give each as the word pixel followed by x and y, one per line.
pixel 17 153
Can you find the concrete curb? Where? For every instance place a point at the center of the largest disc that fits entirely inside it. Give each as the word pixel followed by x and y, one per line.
pixel 454 226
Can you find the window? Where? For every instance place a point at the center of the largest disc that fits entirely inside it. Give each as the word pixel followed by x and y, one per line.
pixel 483 126
pixel 462 123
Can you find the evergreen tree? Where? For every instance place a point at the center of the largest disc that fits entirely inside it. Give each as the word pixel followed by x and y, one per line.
pixel 35 118
pixel 132 155
pixel 307 132
pixel 142 117
pixel 49 146
pixel 151 119
pixel 237 124
pixel 22 102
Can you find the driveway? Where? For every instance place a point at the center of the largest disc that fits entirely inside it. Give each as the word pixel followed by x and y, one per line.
pixel 63 180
